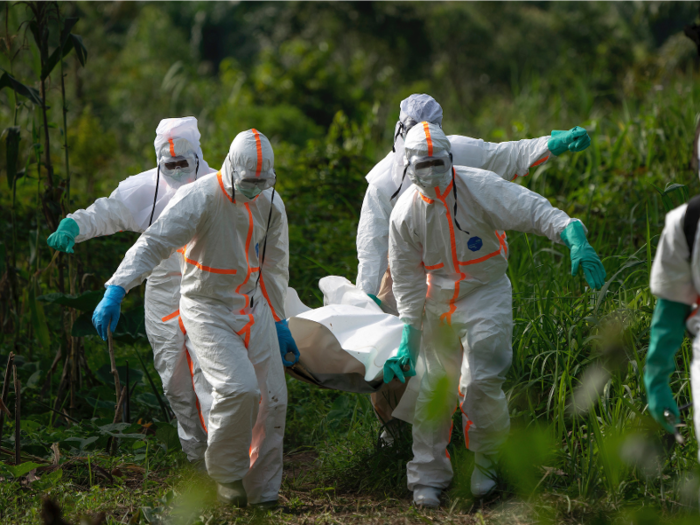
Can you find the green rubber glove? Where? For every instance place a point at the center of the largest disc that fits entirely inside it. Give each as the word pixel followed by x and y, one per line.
pixel 667 332
pixel 402 365
pixel 63 239
pixel 583 254
pixel 375 299
pixel 576 139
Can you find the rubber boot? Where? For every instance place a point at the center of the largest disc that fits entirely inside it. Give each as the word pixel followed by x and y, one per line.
pixel 484 476
pixel 424 496
pixel 232 493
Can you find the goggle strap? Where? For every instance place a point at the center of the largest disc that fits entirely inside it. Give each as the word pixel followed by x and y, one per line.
pixel 454 192
pixel 196 170
pixel 155 197
pixel 400 185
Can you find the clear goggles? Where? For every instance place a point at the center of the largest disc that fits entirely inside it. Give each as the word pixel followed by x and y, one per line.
pixel 255 184
pixel 179 167
pixel 429 171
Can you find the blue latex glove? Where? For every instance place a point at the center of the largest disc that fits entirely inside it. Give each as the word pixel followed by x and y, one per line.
pixel 402 365
pixel 63 239
pixel 583 254
pixel 107 312
pixel 667 332
pixel 375 299
pixel 287 343
pixel 576 139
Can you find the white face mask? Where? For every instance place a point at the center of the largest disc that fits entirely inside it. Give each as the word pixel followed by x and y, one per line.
pixel 180 168
pixel 429 172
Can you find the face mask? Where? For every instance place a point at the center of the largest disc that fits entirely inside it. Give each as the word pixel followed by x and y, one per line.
pixel 251 189
pixel 179 168
pixel 428 172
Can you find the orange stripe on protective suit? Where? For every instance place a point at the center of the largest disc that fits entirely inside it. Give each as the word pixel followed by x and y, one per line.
pixel 426 199
pixel 427 137
pixel 264 291
pixel 245 331
pixel 171 316
pixel 196 398
pixel 182 326
pixel 435 266
pixel 221 185
pixel 172 148
pixel 503 248
pixel 209 269
pixel 535 164
pixel 258 147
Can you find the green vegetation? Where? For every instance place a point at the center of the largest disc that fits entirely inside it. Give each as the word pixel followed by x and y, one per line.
pixel 323 81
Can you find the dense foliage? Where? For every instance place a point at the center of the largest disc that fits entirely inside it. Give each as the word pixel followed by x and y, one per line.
pixel 323 81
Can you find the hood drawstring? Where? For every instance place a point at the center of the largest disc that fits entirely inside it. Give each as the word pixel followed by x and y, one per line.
pixel 155 197
pixel 400 185
pixel 454 192
pixel 262 260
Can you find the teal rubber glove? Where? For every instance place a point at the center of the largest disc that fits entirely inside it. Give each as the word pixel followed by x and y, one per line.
pixel 667 332
pixel 375 299
pixel 576 139
pixel 402 365
pixel 107 312
pixel 583 254
pixel 63 239
pixel 287 343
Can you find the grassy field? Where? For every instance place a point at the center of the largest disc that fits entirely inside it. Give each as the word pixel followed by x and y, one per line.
pixel 582 448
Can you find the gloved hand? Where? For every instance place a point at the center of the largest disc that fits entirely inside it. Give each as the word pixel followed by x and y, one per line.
pixel 375 299
pixel 107 312
pixel 406 356
pixel 584 255
pixel 576 139
pixel 63 239
pixel 667 332
pixel 287 343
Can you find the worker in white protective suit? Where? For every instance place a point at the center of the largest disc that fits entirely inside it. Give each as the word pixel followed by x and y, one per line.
pixel 675 281
pixel 448 259
pixel 387 183
pixel 133 206
pixel 232 231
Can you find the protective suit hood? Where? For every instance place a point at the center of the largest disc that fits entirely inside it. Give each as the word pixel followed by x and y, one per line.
pixel 179 138
pixel 428 157
pixel 249 165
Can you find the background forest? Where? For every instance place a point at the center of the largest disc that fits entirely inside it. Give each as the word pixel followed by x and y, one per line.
pixel 82 89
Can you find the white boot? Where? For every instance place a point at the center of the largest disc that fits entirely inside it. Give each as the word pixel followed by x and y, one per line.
pixel 232 493
pixel 424 496
pixel 484 476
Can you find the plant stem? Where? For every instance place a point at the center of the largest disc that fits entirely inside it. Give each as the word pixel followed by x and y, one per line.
pixel 18 415
pixel 6 389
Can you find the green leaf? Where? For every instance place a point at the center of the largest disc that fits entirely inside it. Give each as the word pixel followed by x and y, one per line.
pixel 167 435
pixel 80 50
pixel 12 144
pixel 41 329
pixel 7 80
pixel 17 471
pixel 85 302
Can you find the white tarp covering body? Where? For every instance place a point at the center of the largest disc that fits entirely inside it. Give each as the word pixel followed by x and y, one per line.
pixel 344 344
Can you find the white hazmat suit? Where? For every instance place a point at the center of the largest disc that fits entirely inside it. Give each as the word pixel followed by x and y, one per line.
pixel 236 253
pixel 449 278
pixel 137 201
pixel 507 159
